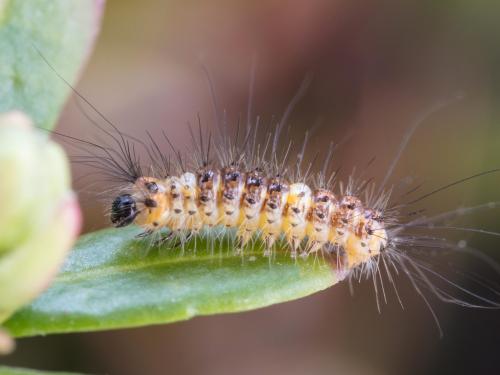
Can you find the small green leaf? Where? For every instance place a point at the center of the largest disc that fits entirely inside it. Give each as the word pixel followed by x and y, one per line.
pixel 112 280
pixel 23 371
pixel 63 32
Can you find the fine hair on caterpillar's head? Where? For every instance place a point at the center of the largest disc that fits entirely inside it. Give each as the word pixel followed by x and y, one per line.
pixel 267 187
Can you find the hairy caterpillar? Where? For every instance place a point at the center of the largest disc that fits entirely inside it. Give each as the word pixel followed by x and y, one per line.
pixel 267 190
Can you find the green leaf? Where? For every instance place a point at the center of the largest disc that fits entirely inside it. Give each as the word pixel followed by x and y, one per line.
pixel 23 371
pixel 63 32
pixel 112 280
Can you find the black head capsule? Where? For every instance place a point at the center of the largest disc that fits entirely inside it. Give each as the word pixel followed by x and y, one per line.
pixel 123 210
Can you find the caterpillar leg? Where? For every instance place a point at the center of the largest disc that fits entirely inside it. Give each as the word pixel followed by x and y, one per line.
pixel 163 239
pixel 312 247
pixel 145 234
pixel 239 245
pixel 190 235
pixel 269 241
pixel 181 240
pixel 244 235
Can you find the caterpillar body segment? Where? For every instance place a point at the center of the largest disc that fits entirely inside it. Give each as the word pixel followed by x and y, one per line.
pixel 345 220
pixel 296 212
pixel 208 185
pixel 252 202
pixel 323 206
pixel 175 196
pixel 367 241
pixel 190 192
pixel 272 213
pixel 233 183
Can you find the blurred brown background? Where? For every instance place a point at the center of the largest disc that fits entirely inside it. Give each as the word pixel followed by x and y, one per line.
pixel 376 66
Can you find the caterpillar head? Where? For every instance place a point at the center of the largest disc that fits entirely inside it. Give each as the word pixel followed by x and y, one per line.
pixel 123 210
pixel 140 203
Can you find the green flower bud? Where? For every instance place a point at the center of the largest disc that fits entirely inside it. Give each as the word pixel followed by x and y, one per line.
pixel 40 217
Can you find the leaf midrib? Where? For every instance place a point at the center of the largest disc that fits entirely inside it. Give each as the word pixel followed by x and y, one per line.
pixel 109 270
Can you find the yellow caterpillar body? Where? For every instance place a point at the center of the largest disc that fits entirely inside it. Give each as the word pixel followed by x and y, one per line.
pixel 256 205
